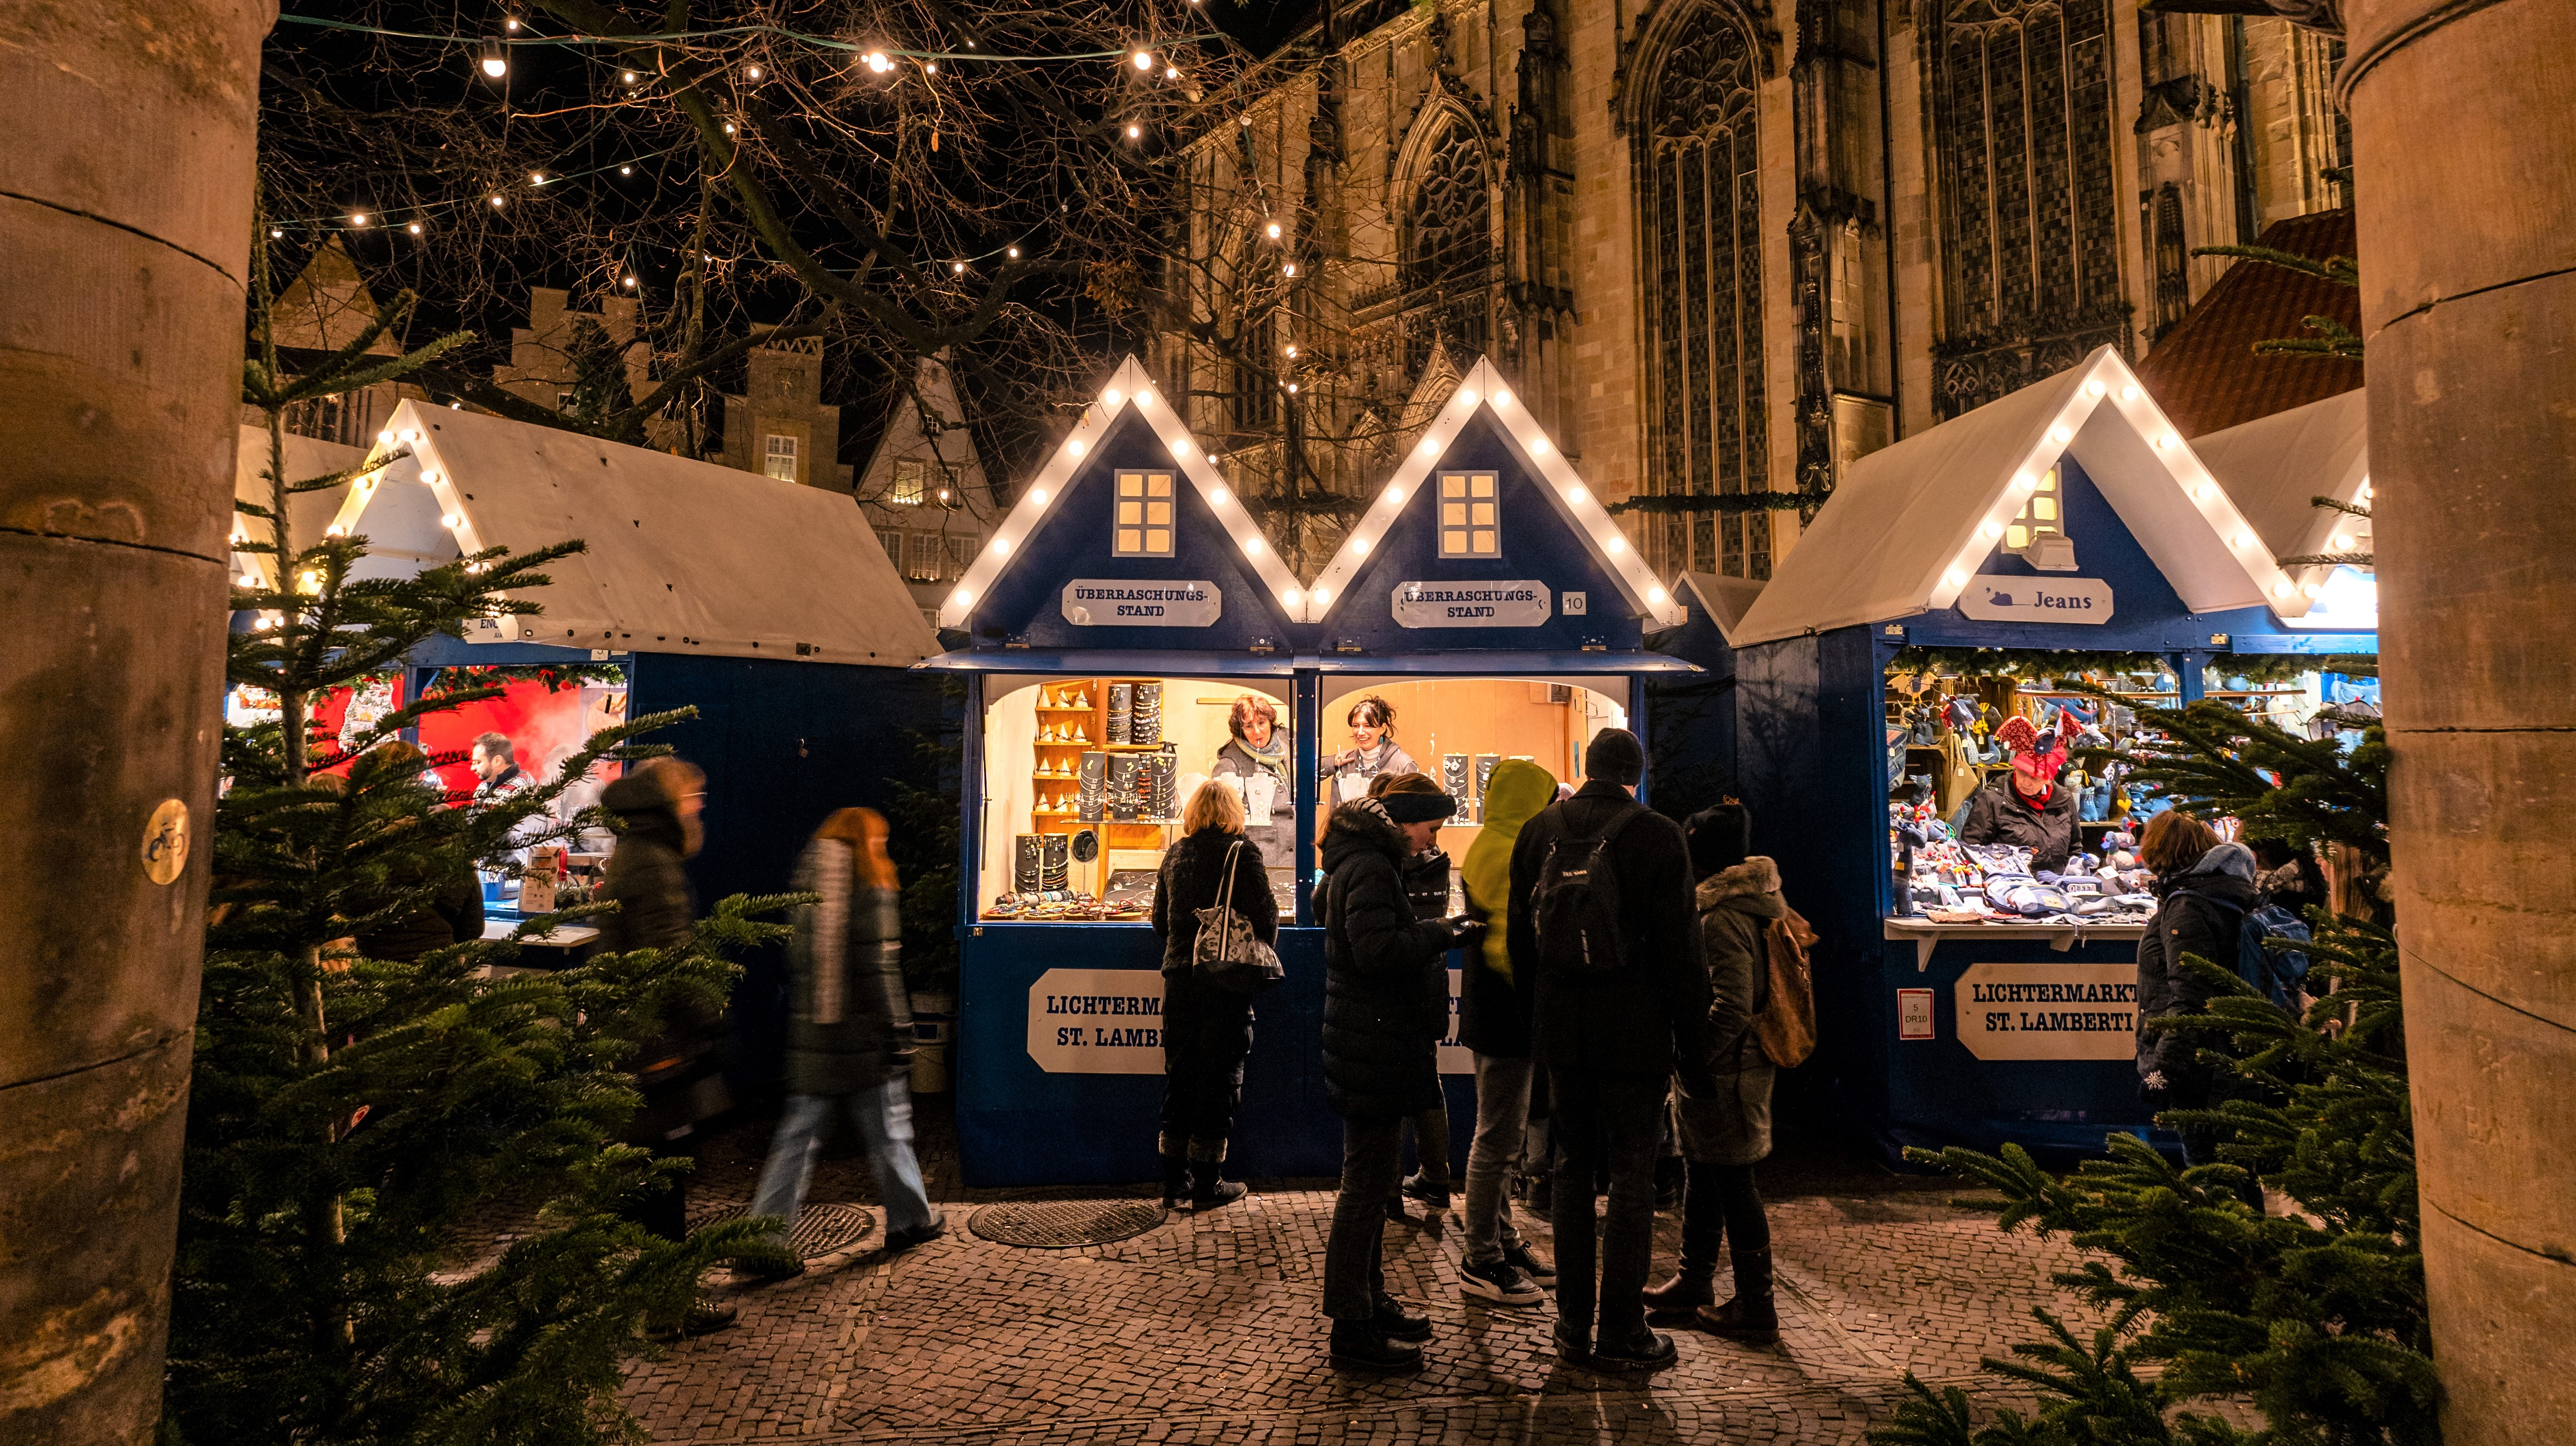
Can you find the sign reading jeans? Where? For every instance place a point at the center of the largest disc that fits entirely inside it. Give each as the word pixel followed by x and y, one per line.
pixel 1097 1021
pixel 1994 598
pixel 1109 602
pixel 1470 604
pixel 2048 1011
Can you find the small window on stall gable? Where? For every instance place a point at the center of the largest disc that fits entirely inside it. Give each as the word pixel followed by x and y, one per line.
pixel 1470 517
pixel 2042 516
pixel 1144 519
pixel 907 485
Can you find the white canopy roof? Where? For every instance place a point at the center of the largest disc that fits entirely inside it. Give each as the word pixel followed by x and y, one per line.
pixel 684 556
pixel 2274 466
pixel 1908 525
pixel 306 460
pixel 1727 599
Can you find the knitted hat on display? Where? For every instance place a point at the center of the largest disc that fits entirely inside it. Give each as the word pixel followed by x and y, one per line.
pixel 1615 756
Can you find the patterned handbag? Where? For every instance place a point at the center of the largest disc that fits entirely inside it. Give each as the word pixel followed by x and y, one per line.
pixel 1228 954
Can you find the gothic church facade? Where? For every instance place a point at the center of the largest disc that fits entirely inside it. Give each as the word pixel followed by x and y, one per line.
pixel 1720 246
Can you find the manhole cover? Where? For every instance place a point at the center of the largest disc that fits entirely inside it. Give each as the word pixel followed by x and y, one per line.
pixel 820 1229
pixel 1056 1224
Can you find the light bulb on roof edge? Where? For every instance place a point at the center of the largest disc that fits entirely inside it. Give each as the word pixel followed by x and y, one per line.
pixel 1467 395
pixel 2282 588
pixel 2168 441
pixel 1576 493
pixel 2245 539
pixel 1113 396
pixel 1252 546
pixel 1001 547
pixel 1992 529
pixel 2026 481
pixel 1538 447
pixel 2128 394
pixel 1076 447
pixel 961 597
pixel 2309 589
pixel 1038 495
pixel 1181 448
pixel 449 520
pixel 2095 388
pixel 1291 597
pixel 1394 494
pixel 1217 496
pixel 2204 491
pixel 1360 545
pixel 2342 543
pixel 2061 435
pixel 1502 398
pixel 1956 578
pixel 1616 544
pixel 1144 399
pixel 1323 595
pixel 385 438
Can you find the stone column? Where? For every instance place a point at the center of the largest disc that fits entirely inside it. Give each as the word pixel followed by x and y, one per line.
pixel 125 216
pixel 2462 125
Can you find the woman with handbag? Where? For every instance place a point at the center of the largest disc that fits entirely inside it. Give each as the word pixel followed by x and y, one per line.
pixel 1212 873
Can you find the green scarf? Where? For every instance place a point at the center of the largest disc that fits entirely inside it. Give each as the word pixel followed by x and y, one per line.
pixel 1274 757
pixel 1514 794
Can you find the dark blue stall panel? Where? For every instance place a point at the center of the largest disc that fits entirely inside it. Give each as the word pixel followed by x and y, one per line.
pixel 1017 1124
pixel 1940 1094
pixel 783 744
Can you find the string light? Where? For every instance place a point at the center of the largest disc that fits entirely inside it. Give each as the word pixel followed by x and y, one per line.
pixel 628 77
pixel 1172 74
pixel 496 200
pixel 511 24
pixel 536 178
pixel 249 579
pixel 753 72
pixel 1274 230
pixel 413 228
pixel 1144 60
pixel 1134 131
pixel 930 67
pixel 630 282
pixel 1015 253
pixel 876 61
pixel 357 218
pixel 957 267
pixel 276 235
pixel 626 170
pixel 494 65
pixel 1288 270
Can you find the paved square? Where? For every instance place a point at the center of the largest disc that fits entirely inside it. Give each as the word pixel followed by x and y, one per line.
pixel 1206 1329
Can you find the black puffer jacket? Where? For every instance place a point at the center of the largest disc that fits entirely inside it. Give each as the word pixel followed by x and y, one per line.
pixel 656 909
pixel 1193 878
pixel 2202 909
pixel 1996 815
pixel 1386 983
pixel 1632 1024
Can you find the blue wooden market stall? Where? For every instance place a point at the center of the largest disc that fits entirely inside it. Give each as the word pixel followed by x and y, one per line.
pixel 2066 517
pixel 1125 612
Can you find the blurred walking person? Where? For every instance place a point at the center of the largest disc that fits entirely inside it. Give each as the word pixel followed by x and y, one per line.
pixel 1494 1024
pixel 849 1034
pixel 657 807
pixel 1207 1028
pixel 1386 1008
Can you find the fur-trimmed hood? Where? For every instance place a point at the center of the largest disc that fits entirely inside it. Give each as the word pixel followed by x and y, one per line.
pixel 1751 887
pixel 1362 825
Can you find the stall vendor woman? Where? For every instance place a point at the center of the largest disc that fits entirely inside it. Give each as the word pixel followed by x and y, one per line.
pixel 1254 763
pixel 2025 807
pixel 1372 750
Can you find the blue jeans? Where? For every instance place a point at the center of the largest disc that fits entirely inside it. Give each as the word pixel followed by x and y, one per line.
pixel 884 1118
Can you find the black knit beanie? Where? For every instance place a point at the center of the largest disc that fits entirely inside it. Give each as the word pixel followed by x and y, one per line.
pixel 1614 756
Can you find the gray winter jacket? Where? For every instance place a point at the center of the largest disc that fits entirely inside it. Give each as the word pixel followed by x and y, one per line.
pixel 849 1023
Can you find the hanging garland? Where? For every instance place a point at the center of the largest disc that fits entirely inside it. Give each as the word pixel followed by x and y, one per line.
pixel 556 676
pixel 2051 665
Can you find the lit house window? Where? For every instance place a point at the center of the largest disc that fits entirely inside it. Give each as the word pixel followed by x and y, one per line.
pixel 907 485
pixel 1144 525
pixel 780 459
pixel 2038 518
pixel 1469 523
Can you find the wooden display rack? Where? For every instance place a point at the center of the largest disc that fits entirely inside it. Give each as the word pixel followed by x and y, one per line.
pixel 1083 703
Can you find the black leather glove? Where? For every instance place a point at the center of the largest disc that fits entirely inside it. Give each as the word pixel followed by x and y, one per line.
pixel 1466 933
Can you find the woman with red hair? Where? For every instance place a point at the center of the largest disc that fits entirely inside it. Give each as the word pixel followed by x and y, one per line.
pixel 849 1033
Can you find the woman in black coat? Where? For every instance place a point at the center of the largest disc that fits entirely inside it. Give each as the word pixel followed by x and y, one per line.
pixel 1207 1029
pixel 2204 887
pixel 1386 1008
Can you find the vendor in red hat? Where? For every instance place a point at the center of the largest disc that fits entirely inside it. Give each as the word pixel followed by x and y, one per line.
pixel 2027 807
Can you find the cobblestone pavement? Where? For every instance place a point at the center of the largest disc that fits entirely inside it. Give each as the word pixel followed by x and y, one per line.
pixel 1206 1328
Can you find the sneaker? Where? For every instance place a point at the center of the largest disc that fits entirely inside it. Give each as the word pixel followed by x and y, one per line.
pixel 1393 1320
pixel 1501 1282
pixel 1530 1263
pixel 1653 1353
pixel 899 1241
pixel 1361 1346
pixel 1419 1187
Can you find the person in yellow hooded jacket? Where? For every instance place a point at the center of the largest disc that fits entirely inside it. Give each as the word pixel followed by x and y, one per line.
pixel 1494 1011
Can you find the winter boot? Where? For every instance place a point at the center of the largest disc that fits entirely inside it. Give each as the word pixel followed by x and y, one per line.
pixel 1176 1180
pixel 1209 1188
pixel 1359 1345
pixel 1751 1316
pixel 1687 1290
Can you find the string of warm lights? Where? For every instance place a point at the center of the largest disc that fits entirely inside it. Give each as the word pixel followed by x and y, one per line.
pixel 379 220
pixel 867 52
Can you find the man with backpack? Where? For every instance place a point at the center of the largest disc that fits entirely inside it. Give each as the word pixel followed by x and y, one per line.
pixel 1601 924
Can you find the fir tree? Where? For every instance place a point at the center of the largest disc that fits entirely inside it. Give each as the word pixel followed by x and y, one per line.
pixel 2316 1317
pixel 351 1120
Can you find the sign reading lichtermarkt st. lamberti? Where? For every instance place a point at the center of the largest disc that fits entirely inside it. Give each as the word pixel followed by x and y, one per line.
pixel 1110 602
pixel 2048 1011
pixel 1522 604
pixel 1994 598
pixel 1097 1021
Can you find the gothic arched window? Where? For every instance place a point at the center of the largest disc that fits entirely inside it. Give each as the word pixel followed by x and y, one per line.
pixel 1699 196
pixel 1449 244
pixel 2030 228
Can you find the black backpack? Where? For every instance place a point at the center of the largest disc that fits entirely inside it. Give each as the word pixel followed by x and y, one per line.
pixel 1574 909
